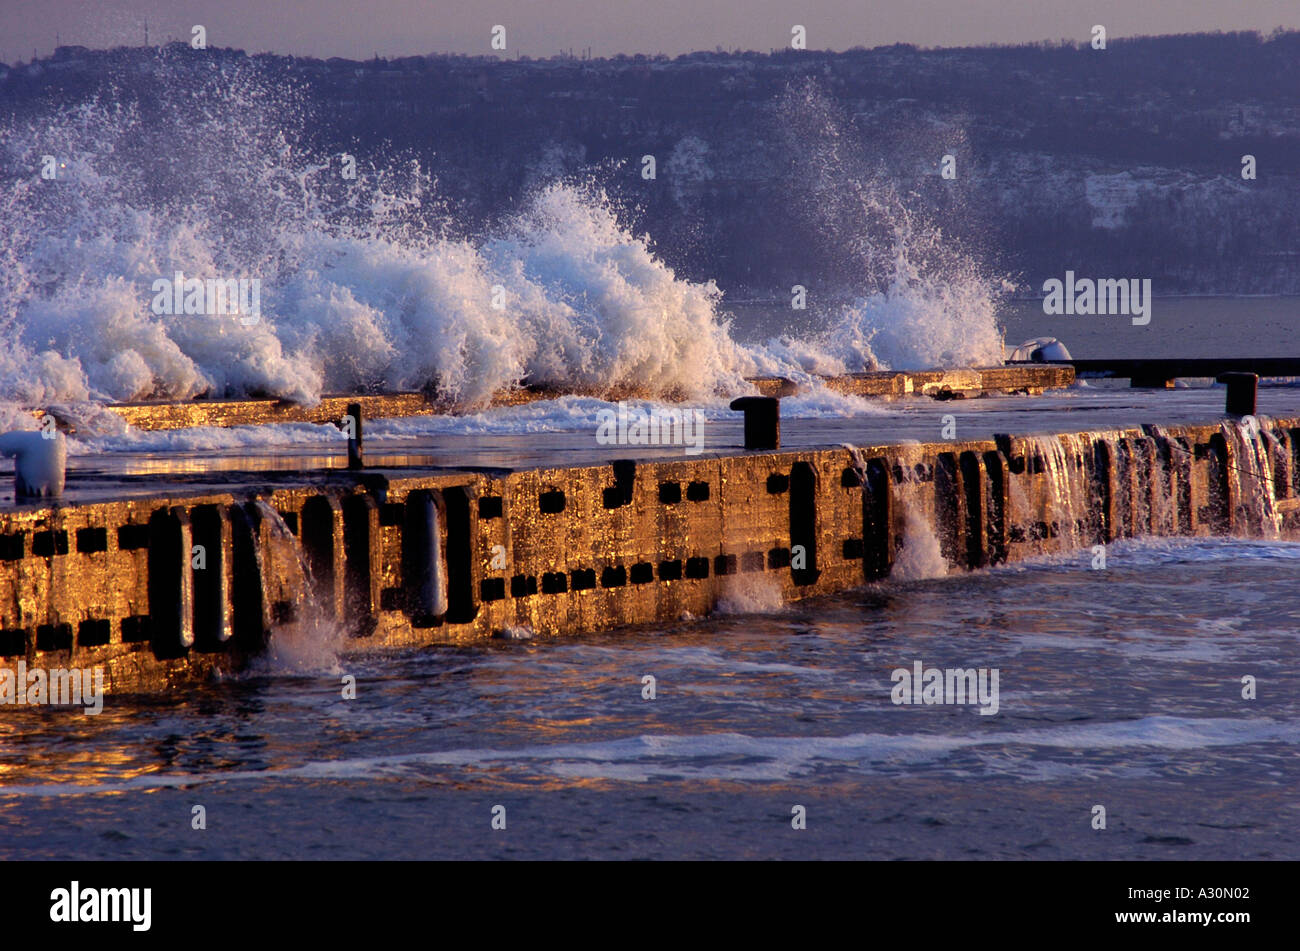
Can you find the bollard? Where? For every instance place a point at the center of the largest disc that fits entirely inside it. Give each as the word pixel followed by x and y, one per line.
pixel 1242 389
pixel 762 421
pixel 356 459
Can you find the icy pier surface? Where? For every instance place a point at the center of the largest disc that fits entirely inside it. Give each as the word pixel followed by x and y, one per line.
pixel 563 433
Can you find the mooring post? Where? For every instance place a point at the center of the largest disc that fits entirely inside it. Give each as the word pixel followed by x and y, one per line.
pixel 1242 390
pixel 762 421
pixel 356 459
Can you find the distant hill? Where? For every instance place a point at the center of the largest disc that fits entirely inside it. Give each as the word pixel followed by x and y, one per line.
pixel 1125 161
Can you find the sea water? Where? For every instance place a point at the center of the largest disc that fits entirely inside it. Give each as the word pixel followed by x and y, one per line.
pixel 1121 688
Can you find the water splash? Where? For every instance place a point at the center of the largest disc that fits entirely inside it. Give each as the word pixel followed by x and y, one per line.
pixel 1065 516
pixel 750 594
pixel 305 640
pixel 920 297
pixel 372 284
pixel 1250 475
pixel 364 284
pixel 921 556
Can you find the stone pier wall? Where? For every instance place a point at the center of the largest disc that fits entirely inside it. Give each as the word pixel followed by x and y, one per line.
pixel 165 591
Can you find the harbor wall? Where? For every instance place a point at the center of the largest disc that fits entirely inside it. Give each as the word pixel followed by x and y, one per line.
pixel 194 583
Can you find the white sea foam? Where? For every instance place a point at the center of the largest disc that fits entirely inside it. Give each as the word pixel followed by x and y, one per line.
pixel 742 757
pixel 750 594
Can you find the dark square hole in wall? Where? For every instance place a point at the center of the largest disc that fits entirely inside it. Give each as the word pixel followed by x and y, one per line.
pixel 670 493
pixel 777 483
pixel 489 506
pixel 291 521
pixel 853 549
pixel 851 478
pixel 551 503
pixel 13 642
pixel 751 561
pixel 11 546
pixel 778 558
pixel 94 633
pixel 131 537
pixel 725 565
pixel 642 572
pixel 555 582
pixel 90 540
pixel 697 567
pixel 521 586
pixel 492 589
pixel 697 492
pixel 583 579
pixel 392 514
pixel 284 612
pixel 615 576
pixel 54 637
pixel 391 599
pixel 48 544
pixel 670 570
pixel 135 628
pixel 616 496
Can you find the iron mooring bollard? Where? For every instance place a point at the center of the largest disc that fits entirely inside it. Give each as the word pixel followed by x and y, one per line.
pixel 1242 389
pixel 356 458
pixel 762 421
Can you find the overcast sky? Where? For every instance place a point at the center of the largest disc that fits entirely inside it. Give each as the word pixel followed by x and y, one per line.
pixel 362 28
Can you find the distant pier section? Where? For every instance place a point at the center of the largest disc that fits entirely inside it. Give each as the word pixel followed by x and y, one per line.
pixel 1161 373
pixel 941 384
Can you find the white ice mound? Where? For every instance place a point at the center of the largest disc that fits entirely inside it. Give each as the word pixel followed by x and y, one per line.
pixel 40 462
pixel 1040 350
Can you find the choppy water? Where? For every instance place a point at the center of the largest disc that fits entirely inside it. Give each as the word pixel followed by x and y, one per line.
pixel 1120 687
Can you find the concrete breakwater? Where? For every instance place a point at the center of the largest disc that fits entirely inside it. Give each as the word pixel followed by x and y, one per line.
pixel 941 384
pixel 163 590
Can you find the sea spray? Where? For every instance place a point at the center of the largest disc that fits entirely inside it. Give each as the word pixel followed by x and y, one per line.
pixel 921 556
pixel 364 287
pixel 306 640
pixel 919 296
pixel 1249 472
pixel 750 594
pixel 371 284
pixel 1065 499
